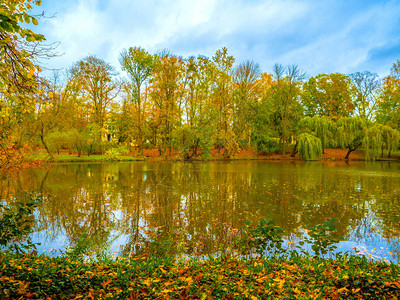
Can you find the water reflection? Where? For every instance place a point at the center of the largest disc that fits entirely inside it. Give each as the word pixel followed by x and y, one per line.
pixel 199 205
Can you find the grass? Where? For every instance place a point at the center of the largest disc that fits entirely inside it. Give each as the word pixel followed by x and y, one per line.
pixel 346 277
pixel 64 157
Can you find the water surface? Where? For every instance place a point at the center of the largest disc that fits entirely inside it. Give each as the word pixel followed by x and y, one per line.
pixel 128 206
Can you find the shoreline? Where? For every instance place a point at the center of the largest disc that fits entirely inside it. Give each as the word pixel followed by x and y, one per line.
pixel 330 155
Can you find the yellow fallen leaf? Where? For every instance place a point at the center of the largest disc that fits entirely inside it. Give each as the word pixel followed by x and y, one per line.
pixel 147 282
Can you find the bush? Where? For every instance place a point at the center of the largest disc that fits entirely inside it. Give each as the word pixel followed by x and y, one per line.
pixel 267 145
pixel 266 237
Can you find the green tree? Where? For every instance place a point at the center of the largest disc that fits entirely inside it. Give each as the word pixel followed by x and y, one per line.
pixel 323 128
pixel 390 139
pixel 328 95
pixel 310 147
pixel 351 132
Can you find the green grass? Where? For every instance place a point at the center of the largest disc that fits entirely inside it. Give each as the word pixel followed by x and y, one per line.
pixel 63 157
pixel 346 277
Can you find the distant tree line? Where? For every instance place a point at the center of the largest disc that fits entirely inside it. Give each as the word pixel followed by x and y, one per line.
pixel 193 104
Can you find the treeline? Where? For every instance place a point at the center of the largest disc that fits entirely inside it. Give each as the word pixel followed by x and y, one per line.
pixel 192 104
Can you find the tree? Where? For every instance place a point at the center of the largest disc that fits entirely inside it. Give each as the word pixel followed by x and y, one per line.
pixel 350 133
pixel 372 142
pixel 328 95
pixel 285 97
pixel 388 109
pixel 18 50
pixel 222 101
pixel 322 127
pixel 44 118
pixel 139 64
pixel 310 147
pixel 17 67
pixel 390 139
pixel 93 76
pixel 366 86
pixel 245 79
pixel 165 87
pixel 264 130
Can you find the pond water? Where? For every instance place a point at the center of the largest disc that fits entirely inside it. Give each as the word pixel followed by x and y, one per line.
pixel 200 206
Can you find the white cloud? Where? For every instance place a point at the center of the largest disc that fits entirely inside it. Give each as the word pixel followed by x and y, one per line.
pixel 320 36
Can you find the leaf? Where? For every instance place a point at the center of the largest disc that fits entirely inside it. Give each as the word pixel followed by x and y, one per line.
pixel 27 18
pixel 147 282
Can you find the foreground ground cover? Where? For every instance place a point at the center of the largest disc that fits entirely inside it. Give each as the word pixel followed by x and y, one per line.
pixel 346 277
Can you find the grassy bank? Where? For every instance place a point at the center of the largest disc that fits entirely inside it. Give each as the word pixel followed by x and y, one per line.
pixel 31 276
pixel 243 154
pixel 64 157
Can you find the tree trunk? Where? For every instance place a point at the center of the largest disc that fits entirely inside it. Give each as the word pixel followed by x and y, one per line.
pixel 294 149
pixel 139 103
pixel 45 146
pixel 348 153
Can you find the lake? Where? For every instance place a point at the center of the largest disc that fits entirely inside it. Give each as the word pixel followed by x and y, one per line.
pixel 201 206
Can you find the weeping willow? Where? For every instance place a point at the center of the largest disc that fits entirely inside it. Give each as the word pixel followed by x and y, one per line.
pixel 310 147
pixel 390 139
pixel 350 133
pixel 323 128
pixel 373 142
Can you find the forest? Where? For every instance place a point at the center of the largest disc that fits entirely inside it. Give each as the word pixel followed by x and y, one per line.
pixel 188 105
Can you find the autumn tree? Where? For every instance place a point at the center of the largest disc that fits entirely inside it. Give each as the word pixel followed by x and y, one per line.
pixel 285 94
pixel 246 96
pixel 139 65
pixel 328 95
pixel 264 131
pixel 44 118
pixel 164 92
pixel 94 79
pixel 388 109
pixel 18 49
pixel 197 131
pixel 222 101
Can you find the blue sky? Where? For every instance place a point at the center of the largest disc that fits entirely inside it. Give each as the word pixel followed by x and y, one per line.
pixel 320 36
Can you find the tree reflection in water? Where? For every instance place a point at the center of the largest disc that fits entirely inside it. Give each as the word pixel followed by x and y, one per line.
pixel 199 207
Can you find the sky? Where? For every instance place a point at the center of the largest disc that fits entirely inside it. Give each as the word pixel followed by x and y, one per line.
pixel 320 36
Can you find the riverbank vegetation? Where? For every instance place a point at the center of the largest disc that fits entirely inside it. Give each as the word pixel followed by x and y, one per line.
pixel 347 277
pixel 186 106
